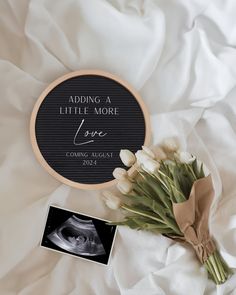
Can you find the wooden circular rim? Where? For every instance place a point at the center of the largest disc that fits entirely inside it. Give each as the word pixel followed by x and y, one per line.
pixel 50 87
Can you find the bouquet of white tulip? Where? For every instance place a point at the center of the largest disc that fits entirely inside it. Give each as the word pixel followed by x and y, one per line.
pixel 167 192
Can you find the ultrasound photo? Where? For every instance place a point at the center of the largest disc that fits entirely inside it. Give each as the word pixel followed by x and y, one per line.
pixel 77 234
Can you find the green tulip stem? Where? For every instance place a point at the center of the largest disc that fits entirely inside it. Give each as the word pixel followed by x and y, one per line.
pixel 217 268
pixel 166 221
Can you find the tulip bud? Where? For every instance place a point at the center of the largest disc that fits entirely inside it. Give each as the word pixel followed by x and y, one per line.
pixel 170 145
pixel 125 186
pixel 142 156
pixel 185 157
pixel 111 200
pixel 160 154
pixel 120 173
pixel 148 151
pixel 151 166
pixel 127 157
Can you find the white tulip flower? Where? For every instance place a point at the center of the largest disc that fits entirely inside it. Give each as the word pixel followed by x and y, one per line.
pixel 125 186
pixel 148 151
pixel 142 156
pixel 170 145
pixel 127 157
pixel 120 173
pixel 185 157
pixel 151 166
pixel 111 200
pixel 160 154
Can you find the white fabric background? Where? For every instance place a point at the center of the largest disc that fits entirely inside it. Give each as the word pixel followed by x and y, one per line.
pixel 181 56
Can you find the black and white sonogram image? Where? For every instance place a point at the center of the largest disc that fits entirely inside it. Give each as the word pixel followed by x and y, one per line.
pixel 78 235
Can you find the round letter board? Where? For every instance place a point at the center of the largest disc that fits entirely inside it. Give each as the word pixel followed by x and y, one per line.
pixel 80 123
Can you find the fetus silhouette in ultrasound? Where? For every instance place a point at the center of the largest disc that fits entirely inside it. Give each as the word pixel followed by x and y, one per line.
pixel 78 236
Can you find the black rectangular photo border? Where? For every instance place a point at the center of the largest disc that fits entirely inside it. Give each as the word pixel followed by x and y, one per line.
pixel 62 251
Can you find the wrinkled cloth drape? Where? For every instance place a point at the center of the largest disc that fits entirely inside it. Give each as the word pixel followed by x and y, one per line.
pixel 180 55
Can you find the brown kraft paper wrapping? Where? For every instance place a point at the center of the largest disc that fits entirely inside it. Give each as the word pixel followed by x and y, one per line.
pixel 192 217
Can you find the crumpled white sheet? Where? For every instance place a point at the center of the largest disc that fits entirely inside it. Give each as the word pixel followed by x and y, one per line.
pixel 181 56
